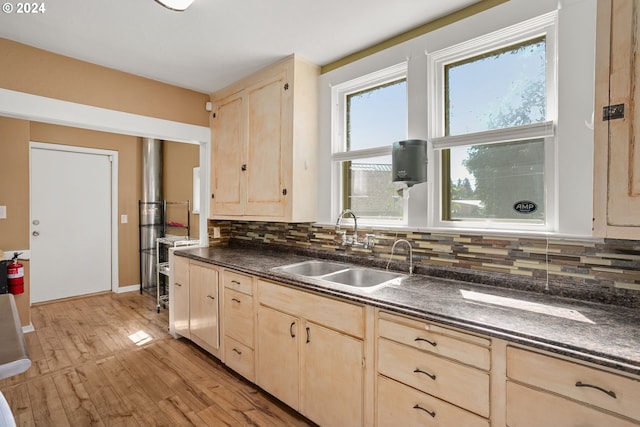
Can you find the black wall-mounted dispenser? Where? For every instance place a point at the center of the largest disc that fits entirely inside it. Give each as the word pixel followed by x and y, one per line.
pixel 409 161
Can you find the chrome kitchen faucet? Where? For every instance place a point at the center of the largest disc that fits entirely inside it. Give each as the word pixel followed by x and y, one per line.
pixel 369 239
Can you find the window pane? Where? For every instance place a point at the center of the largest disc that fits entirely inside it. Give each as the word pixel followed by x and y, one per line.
pixel 496 90
pixel 486 181
pixel 377 117
pixel 369 190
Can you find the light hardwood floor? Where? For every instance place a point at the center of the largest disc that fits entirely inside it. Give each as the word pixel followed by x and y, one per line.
pixel 88 370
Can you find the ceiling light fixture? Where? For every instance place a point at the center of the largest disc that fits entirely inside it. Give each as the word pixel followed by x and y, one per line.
pixel 178 5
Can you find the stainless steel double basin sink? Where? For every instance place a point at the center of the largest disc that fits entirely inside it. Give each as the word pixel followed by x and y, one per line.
pixel 335 272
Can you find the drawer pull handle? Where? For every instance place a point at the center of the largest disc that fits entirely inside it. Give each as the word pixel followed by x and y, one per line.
pixel 608 392
pixel 432 413
pixel 178 284
pixel 237 351
pixel 291 332
pixel 211 297
pixel 235 282
pixel 235 300
pixel 420 371
pixel 433 343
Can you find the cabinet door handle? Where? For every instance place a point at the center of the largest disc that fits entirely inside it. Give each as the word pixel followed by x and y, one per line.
pixel 308 335
pixel 291 330
pixel 178 284
pixel 235 300
pixel 432 413
pixel 211 297
pixel 237 351
pixel 607 392
pixel 433 343
pixel 244 167
pixel 420 371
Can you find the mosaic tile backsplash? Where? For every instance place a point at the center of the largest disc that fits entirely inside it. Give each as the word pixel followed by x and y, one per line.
pixel 604 271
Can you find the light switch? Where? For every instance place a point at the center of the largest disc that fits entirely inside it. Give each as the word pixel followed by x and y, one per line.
pixel 3 212
pixel 124 219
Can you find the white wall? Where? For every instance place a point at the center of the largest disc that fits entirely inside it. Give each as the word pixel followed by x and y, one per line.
pixel 576 50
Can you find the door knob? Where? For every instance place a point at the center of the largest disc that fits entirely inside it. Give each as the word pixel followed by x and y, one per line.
pixel 36 233
pixel 36 222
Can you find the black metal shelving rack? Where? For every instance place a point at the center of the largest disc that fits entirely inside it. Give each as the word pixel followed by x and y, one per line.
pixel 152 222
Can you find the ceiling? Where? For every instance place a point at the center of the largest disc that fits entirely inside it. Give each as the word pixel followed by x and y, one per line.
pixel 215 42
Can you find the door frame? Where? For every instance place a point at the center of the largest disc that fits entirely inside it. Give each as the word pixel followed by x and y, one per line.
pixel 113 156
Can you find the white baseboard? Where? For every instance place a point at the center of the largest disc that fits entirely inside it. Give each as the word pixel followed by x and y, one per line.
pixel 130 288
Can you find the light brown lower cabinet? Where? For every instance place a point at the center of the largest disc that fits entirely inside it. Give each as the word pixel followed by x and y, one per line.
pixel 315 367
pixel 400 405
pixel 429 375
pixel 195 303
pixel 343 364
pixel 180 296
pixel 239 323
pixel 278 367
pixel 204 316
pixel 547 390
pixel 527 407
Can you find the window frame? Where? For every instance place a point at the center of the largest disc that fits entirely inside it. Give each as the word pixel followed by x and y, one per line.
pixel 339 154
pixel 544 25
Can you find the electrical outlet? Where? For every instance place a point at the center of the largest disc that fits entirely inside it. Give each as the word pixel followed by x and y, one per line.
pixel 124 219
pixel 3 212
pixel 216 232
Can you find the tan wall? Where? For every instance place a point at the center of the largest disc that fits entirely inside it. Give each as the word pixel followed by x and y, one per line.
pixel 35 71
pixel 14 194
pixel 178 161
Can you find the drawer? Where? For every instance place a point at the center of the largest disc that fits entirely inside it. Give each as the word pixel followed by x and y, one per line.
pixel 239 282
pixel 461 385
pixel 400 405
pixel 239 318
pixel 435 339
pixel 334 314
pixel 533 408
pixel 240 358
pixel 576 381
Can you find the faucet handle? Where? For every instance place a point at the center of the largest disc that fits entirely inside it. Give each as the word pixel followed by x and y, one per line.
pixel 369 241
pixel 343 237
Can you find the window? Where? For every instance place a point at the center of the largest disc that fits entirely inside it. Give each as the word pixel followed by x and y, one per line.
pixel 371 114
pixel 493 134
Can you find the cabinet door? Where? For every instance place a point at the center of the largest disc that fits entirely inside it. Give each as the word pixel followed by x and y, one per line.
pixel 332 377
pixel 617 157
pixel 264 150
pixel 181 296
pixel 227 157
pixel 624 163
pixel 278 360
pixel 203 305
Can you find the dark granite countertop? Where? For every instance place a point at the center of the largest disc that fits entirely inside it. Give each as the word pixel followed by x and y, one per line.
pixel 607 335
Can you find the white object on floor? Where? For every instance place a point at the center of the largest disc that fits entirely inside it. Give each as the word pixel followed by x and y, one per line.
pixel 6 417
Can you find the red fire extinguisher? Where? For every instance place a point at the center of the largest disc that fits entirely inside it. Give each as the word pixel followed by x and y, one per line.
pixel 15 275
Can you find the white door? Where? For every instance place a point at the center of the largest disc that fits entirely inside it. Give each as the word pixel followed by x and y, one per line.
pixel 70 223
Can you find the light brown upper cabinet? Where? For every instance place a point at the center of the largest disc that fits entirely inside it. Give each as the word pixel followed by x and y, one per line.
pixel 617 156
pixel 263 145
